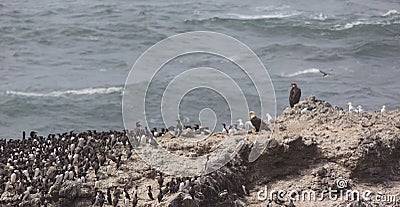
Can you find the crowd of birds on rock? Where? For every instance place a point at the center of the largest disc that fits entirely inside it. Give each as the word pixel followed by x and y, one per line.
pixel 35 164
pixel 144 136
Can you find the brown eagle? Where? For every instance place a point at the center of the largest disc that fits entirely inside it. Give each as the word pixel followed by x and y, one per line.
pixel 295 94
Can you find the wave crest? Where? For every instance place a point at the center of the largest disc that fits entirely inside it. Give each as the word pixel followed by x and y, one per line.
pixel 85 91
pixel 302 72
pixel 390 13
pixel 255 17
pixel 244 17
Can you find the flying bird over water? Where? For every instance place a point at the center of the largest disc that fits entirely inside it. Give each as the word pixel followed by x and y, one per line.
pixel 295 94
pixel 324 74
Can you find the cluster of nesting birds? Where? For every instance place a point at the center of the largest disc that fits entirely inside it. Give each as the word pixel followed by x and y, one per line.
pixel 143 136
pixel 179 184
pixel 33 165
pixel 36 164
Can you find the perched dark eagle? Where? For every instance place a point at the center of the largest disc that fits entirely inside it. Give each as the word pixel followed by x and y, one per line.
pixel 257 122
pixel 295 94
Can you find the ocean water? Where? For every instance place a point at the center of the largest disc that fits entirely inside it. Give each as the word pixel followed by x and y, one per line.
pixel 63 64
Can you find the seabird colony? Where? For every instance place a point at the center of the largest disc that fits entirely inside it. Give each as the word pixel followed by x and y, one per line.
pixel 35 164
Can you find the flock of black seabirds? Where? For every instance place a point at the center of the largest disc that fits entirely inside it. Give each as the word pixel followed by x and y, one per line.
pixel 34 164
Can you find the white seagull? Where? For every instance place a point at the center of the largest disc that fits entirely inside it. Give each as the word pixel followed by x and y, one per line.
pixel 240 124
pixel 248 125
pixel 181 186
pixel 359 109
pixel 383 109
pixel 270 120
pixel 13 178
pixel 351 107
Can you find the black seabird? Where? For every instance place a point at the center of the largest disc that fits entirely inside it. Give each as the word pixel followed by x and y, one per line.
pixel 135 201
pixel 160 196
pixel 160 180
pixel 109 200
pixel 135 191
pixel 149 193
pixel 224 129
pixel 192 192
pixel 324 74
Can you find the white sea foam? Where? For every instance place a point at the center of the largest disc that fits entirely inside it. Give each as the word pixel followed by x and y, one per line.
pixel 358 23
pixel 390 13
pixel 271 8
pixel 85 91
pixel 320 16
pixel 302 72
pixel 261 16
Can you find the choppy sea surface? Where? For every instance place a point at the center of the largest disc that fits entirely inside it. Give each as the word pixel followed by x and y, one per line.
pixel 63 64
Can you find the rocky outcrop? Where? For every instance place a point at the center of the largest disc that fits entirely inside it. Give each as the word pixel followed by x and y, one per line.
pixel 71 193
pixel 324 146
pixel 314 146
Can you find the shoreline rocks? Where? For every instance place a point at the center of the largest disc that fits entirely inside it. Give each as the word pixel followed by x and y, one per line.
pixel 314 146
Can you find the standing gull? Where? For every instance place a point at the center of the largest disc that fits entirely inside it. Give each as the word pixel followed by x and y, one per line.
pixel 383 109
pixel 270 120
pixel 359 109
pixel 240 124
pixel 351 107
pixel 248 125
pixel 179 128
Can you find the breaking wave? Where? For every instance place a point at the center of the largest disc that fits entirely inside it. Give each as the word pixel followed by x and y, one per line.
pixel 302 72
pixel 85 91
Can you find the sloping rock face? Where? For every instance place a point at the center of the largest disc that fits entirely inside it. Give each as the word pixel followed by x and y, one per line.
pixel 366 143
pixel 361 148
pixel 71 193
pixel 316 145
